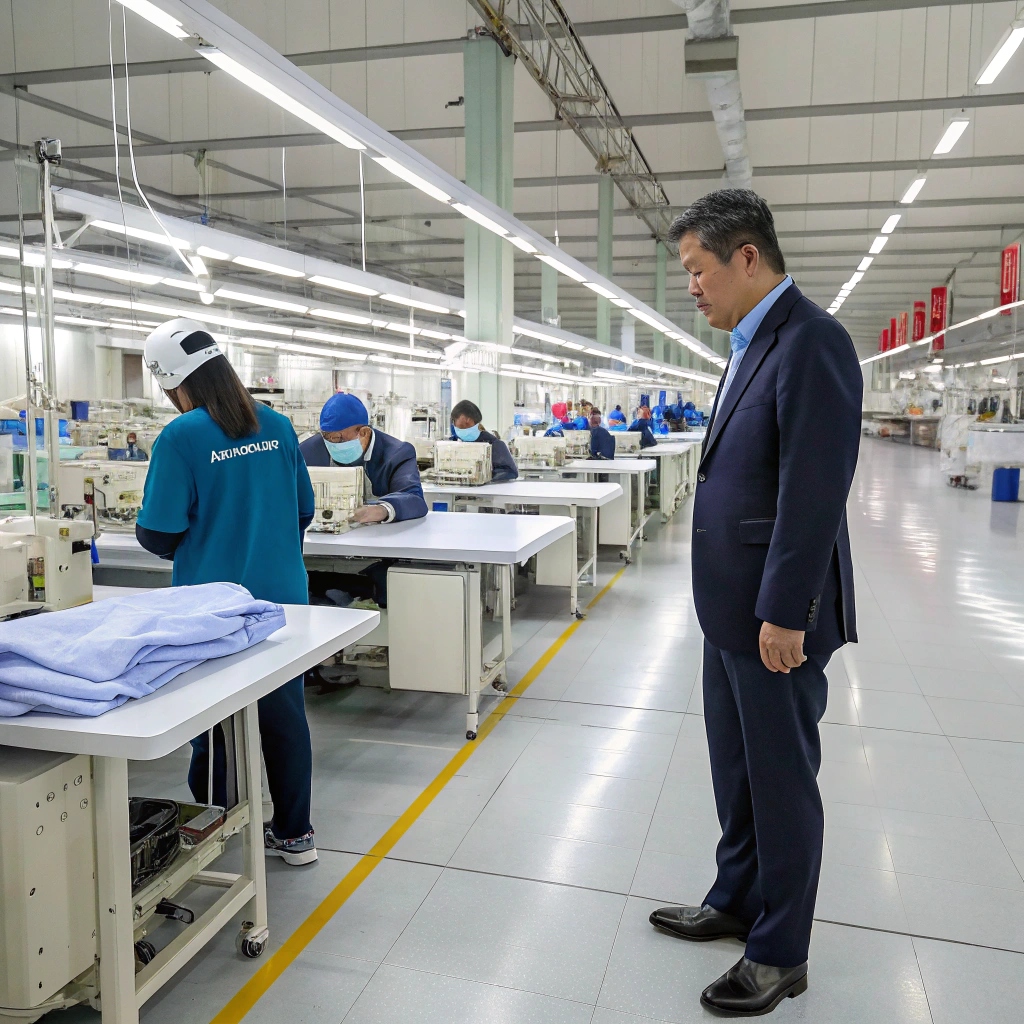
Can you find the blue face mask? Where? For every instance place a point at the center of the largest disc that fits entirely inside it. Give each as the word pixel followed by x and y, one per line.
pixel 467 433
pixel 345 452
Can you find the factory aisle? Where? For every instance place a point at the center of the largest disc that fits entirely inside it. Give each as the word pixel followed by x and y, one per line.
pixel 522 892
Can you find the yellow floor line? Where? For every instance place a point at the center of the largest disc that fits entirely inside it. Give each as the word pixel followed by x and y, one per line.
pixel 250 993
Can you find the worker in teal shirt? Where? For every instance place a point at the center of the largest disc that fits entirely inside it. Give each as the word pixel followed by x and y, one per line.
pixel 227 498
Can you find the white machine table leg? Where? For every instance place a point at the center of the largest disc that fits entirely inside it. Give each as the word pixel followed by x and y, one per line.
pixel 255 930
pixel 114 891
pixel 574 583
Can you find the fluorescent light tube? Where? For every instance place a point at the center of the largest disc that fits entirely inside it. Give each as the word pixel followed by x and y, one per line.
pixel 275 95
pixel 198 266
pixel 951 135
pixel 212 254
pixel 912 192
pixel 414 303
pixel 116 273
pixel 865 263
pixel 622 303
pixel 260 300
pixel 155 16
pixel 878 244
pixel 156 237
pixel 856 278
pixel 1006 48
pixel 522 243
pixel 270 268
pixel 646 318
pixel 340 315
pixel 890 224
pixel 436 335
pixel 370 343
pixel 185 286
pixel 342 286
pixel 600 289
pixel 993 361
pixel 481 219
pixel 561 268
pixel 412 178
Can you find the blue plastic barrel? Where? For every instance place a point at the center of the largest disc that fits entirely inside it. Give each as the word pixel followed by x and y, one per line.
pixel 1005 484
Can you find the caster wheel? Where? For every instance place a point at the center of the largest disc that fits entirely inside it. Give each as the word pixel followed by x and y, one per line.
pixel 622 554
pixel 145 951
pixel 470 735
pixel 580 615
pixel 629 561
pixel 253 949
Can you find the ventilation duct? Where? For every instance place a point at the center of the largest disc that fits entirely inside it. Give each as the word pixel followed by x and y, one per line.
pixel 712 54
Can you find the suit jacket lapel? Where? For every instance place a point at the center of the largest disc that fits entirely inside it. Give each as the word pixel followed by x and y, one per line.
pixel 759 347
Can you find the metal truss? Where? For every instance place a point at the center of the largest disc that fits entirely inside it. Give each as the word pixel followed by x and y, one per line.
pixel 541 35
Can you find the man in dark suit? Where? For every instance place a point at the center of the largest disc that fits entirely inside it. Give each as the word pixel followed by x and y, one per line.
pixel 466 426
pixel 392 485
pixel 773 588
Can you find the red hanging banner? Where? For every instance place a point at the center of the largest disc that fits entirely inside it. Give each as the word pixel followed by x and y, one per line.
pixel 883 340
pixel 892 333
pixel 901 329
pixel 1009 276
pixel 940 301
pixel 919 308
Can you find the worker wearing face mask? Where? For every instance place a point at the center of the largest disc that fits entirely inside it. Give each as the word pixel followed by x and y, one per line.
pixel 392 490
pixel 466 426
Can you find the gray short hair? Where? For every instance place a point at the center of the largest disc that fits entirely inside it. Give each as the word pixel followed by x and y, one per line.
pixel 728 218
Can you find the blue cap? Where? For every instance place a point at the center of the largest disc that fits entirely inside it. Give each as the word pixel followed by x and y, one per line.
pixel 342 411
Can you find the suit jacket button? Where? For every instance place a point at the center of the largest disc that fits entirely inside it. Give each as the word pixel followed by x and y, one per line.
pixel 701 478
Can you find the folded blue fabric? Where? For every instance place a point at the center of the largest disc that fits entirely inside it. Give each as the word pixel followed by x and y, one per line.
pixel 87 660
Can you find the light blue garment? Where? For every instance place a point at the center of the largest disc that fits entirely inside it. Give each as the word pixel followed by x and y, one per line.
pixel 345 452
pixel 743 333
pixel 467 433
pixel 89 659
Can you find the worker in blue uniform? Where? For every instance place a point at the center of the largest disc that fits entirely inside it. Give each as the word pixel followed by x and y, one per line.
pixel 617 419
pixel 602 444
pixel 347 439
pixel 228 497
pixel 642 425
pixel 466 419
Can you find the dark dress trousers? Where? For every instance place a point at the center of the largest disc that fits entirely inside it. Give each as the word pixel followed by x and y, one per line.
pixel 771 544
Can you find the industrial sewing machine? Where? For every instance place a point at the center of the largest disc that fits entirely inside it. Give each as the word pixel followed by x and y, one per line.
pixel 538 451
pixel 424 452
pixel 45 565
pixel 108 493
pixel 338 492
pixel 462 462
pixel 627 442
pixel 577 444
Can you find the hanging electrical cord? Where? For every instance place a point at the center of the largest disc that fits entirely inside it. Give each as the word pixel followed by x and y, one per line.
pixel 131 154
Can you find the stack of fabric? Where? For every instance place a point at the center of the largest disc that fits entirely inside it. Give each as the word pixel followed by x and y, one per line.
pixel 87 660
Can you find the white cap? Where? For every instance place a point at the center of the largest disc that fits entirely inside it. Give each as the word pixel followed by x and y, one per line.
pixel 176 348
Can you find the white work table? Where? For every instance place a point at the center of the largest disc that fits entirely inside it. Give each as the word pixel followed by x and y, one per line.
pixel 677 471
pixel 559 564
pixel 445 537
pixel 223 690
pixel 623 520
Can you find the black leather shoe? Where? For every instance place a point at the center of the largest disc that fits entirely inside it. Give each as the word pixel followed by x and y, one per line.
pixel 699 924
pixel 749 990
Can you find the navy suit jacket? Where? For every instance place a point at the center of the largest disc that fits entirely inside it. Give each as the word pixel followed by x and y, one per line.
pixel 602 444
pixel 392 471
pixel 770 537
pixel 503 466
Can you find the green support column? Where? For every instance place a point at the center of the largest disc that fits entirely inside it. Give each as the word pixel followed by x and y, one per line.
pixel 660 274
pixel 548 294
pixel 605 233
pixel 488 83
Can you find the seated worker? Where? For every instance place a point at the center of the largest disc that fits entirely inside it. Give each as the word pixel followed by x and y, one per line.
pixel 602 444
pixel 582 421
pixel 642 424
pixel 617 419
pixel 466 426
pixel 559 418
pixel 391 480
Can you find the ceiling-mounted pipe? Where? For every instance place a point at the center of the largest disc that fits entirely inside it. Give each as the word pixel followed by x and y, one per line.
pixel 711 54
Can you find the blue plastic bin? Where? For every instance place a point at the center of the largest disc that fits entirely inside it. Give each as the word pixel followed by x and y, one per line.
pixel 1005 484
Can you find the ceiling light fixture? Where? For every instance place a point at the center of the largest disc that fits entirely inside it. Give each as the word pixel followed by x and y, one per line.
pixel 522 243
pixel 913 191
pixel 865 263
pixel 561 268
pixel 412 178
pixel 878 244
pixel 116 273
pixel 340 315
pixel 155 16
pixel 481 219
pixel 155 237
pixel 275 95
pixel 600 289
pixel 951 135
pixel 342 286
pixel 1005 49
pixel 414 303
pixel 260 300
pixel 890 224
pixel 213 254
pixel 269 268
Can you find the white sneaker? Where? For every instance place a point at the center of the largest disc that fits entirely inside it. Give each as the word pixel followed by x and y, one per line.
pixel 291 851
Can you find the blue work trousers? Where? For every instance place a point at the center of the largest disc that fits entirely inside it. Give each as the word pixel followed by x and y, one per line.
pixel 287 753
pixel 765 751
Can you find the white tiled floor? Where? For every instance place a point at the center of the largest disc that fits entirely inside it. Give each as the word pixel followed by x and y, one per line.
pixel 522 893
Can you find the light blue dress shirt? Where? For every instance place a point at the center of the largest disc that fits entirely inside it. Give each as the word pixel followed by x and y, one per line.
pixel 743 333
